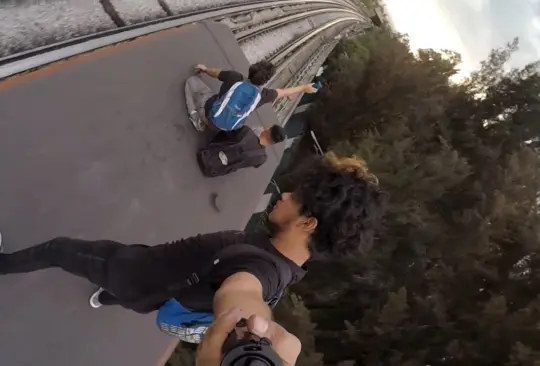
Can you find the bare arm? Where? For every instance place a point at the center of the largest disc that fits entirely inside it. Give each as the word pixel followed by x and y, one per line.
pixel 213 72
pixel 244 291
pixel 208 70
pixel 304 88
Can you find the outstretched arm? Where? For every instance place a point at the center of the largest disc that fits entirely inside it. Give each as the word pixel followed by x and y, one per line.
pixel 208 70
pixel 304 88
pixel 244 291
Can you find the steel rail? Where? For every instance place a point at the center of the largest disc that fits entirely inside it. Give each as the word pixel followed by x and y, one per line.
pixel 279 56
pixel 288 10
pixel 243 36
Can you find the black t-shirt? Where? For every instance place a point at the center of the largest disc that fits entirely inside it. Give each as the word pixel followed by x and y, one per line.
pixel 200 296
pixel 228 79
pixel 155 268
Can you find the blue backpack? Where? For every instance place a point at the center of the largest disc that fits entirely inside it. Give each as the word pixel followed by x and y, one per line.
pixel 190 326
pixel 229 112
pixel 177 321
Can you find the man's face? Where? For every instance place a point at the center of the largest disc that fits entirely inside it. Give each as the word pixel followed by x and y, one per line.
pixel 286 211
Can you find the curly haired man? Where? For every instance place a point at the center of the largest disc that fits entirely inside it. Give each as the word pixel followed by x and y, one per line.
pixel 334 210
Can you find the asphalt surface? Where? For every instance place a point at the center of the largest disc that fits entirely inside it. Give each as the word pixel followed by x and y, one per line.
pixel 99 146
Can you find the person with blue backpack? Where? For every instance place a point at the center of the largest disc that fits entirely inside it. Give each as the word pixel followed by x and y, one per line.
pixel 332 208
pixel 238 97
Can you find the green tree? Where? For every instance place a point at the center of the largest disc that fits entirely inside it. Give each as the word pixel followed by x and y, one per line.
pixel 375 80
pixel 454 277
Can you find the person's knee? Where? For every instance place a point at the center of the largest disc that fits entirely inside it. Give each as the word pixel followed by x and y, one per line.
pixel 59 244
pixel 60 240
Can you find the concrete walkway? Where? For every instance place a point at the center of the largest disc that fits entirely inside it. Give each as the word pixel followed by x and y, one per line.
pixel 99 146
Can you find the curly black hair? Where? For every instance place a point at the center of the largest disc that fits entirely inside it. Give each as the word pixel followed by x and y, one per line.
pixel 277 134
pixel 261 72
pixel 346 201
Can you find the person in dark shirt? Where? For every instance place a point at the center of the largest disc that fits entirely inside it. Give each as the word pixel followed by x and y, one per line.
pixel 259 74
pixel 333 209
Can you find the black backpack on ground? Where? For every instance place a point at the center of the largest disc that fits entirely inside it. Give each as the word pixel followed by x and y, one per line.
pixel 231 150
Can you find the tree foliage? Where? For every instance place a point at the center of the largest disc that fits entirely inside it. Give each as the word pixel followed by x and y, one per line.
pixel 376 80
pixel 454 278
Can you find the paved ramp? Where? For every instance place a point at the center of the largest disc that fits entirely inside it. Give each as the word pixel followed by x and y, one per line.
pixel 99 146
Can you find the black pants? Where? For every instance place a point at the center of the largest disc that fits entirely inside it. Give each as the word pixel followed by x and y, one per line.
pixel 106 298
pixel 82 258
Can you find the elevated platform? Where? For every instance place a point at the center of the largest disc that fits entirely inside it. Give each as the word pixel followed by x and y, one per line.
pixel 99 146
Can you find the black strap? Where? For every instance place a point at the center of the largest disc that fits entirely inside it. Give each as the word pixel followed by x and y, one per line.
pixel 230 252
pixel 284 269
pixel 148 303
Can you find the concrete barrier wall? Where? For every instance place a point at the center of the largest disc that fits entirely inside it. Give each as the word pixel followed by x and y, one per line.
pixel 28 24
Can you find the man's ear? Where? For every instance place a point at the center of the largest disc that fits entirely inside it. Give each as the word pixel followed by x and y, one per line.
pixel 310 224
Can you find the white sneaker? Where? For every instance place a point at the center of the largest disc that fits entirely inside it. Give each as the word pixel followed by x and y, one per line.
pixel 197 121
pixel 94 299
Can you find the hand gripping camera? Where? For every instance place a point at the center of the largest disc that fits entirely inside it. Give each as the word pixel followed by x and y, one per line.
pixel 243 348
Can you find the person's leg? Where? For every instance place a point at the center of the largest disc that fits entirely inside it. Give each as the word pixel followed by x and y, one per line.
pixel 197 93
pixel 87 259
pixel 201 92
pixel 82 258
pixel 190 89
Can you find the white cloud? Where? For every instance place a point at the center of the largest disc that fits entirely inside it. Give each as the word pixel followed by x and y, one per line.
pixel 534 38
pixel 536 23
pixel 428 27
pixel 477 5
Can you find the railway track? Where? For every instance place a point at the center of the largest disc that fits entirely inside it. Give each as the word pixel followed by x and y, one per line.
pixel 283 54
pixel 295 10
pixel 244 35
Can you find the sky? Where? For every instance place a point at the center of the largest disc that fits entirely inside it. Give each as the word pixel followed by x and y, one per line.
pixel 470 27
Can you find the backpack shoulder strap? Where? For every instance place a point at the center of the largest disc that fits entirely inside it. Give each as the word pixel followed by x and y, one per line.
pixel 195 277
pixel 284 269
pixel 253 106
pixel 224 100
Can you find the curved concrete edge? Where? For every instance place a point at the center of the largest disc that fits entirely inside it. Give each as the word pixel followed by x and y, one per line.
pixel 40 60
pixel 136 11
pixel 27 25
